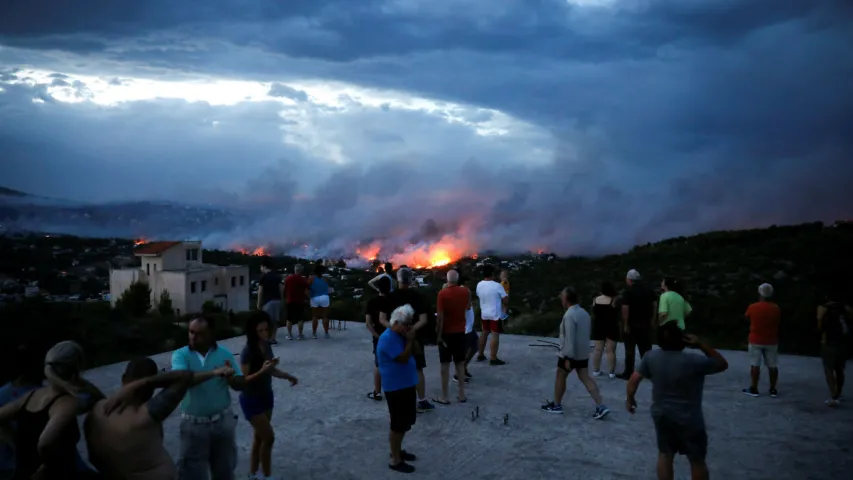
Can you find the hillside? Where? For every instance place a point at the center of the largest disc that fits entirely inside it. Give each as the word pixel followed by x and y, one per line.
pixel 721 272
pixel 8 192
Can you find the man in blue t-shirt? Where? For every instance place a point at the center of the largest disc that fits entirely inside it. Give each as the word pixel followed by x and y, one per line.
pixel 399 379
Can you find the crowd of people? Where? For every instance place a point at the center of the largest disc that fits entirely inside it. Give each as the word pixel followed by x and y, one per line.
pixel 123 431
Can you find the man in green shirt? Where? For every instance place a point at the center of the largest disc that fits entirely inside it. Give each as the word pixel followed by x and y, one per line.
pixel 672 306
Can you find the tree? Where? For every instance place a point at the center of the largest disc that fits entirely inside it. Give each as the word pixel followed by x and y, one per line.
pixel 136 300
pixel 164 306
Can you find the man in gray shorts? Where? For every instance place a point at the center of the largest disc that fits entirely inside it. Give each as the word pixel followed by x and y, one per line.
pixel 678 381
pixel 763 317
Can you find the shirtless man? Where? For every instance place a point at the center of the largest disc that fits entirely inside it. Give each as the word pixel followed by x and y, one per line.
pixel 124 432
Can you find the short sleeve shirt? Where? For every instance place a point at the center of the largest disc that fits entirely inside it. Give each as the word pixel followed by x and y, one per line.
pixel 214 395
pixel 490 294
pixel 764 318
pixel 395 375
pixel 255 359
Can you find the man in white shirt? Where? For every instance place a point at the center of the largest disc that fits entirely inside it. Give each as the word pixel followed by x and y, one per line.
pixel 493 304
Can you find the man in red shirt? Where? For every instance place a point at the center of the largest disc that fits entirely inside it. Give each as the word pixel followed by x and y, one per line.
pixel 453 301
pixel 763 317
pixel 295 286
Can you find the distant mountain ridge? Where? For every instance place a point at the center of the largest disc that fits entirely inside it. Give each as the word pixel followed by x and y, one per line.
pixel 9 192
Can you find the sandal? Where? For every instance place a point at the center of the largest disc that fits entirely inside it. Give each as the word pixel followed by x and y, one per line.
pixel 375 396
pixel 440 402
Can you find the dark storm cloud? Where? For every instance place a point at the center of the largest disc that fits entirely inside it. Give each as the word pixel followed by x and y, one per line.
pixel 668 117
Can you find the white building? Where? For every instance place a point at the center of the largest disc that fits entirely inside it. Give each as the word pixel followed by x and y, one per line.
pixel 177 267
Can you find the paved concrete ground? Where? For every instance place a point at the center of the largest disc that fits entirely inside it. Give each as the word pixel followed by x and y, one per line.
pixel 327 428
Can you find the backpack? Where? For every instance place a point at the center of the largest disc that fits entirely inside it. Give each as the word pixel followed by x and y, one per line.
pixel 836 324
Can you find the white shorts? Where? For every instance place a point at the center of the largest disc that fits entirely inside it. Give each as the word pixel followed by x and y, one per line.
pixel 321 301
pixel 768 353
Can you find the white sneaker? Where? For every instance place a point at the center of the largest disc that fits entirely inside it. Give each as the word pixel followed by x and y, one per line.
pixel 596 374
pixel 254 476
pixel 831 402
pixel 611 375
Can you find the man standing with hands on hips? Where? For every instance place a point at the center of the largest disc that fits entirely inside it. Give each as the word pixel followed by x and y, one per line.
pixel 208 448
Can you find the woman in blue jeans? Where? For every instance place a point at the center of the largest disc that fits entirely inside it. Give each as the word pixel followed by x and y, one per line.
pixel 259 364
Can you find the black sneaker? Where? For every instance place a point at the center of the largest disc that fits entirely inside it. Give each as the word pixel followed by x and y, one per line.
pixel 408 457
pixel 752 392
pixel 774 393
pixel 481 358
pixel 496 362
pixel 468 375
pixel 402 467
pixel 456 379
pixel 375 396
pixel 624 376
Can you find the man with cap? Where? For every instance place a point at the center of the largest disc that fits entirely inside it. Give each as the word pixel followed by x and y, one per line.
pixel 639 308
pixel 763 317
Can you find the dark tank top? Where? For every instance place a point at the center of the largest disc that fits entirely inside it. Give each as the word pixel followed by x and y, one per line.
pixel 29 429
pixel 604 314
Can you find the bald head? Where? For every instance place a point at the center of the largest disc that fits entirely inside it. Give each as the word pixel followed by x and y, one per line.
pixel 453 277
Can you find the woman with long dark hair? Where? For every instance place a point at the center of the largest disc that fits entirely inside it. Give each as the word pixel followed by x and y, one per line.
pixel 259 364
pixel 318 292
pixel 673 307
pixel 605 329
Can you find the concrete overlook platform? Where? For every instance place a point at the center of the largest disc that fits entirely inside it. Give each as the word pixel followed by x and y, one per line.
pixel 326 427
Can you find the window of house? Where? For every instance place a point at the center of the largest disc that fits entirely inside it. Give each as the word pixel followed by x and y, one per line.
pixel 192 254
pixel 192 287
pixel 155 267
pixel 233 281
pixel 216 281
pixel 148 269
pixel 242 280
pixel 204 285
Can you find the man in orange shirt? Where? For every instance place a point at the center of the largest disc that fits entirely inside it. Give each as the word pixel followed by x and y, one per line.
pixel 453 302
pixel 763 317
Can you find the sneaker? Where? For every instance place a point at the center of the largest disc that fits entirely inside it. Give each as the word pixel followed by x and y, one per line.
pixel 611 375
pixel 327 335
pixel 831 402
pixel 468 375
pixel 254 476
pixel 596 374
pixel 300 337
pixel 289 337
pixel 497 362
pixel 774 393
pixel 315 336
pixel 551 408
pixel 402 467
pixel 273 342
pixel 456 379
pixel 752 392
pixel 624 376
pixel 481 358
pixel 601 411
pixel 425 406
pixel 375 396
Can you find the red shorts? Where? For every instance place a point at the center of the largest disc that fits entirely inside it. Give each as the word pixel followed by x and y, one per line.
pixel 495 326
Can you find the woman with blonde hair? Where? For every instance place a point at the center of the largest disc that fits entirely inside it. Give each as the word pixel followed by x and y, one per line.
pixel 47 432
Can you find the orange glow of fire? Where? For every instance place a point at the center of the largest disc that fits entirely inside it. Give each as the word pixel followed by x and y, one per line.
pixel 140 241
pixel 439 254
pixel 258 252
pixel 369 252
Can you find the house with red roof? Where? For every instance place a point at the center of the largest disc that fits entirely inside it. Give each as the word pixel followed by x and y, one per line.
pixel 177 267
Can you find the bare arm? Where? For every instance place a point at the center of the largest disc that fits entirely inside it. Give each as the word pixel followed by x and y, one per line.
pixel 86 393
pixel 721 363
pixel 625 311
pixel 383 319
pixel 633 385
pixel 162 405
pixel 237 382
pixel 63 416
pixel 10 410
pixel 422 321
pixel 282 374
pixel 373 281
pixel 260 295
pixel 439 325
pixel 407 352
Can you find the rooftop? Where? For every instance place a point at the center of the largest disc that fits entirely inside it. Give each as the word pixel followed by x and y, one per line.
pixel 154 248
pixel 327 428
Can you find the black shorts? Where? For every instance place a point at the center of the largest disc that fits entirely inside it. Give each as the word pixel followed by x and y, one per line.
pixel 603 330
pixel 573 364
pixel 402 409
pixel 418 353
pixel 674 438
pixel 295 312
pixel 472 341
pixel 454 348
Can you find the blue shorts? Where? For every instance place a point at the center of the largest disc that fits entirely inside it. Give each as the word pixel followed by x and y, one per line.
pixel 256 404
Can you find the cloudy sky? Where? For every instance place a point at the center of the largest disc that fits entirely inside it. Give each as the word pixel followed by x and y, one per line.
pixel 574 126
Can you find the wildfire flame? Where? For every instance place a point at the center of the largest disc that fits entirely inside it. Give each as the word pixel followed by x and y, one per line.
pixel 258 252
pixel 441 253
pixel 140 241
